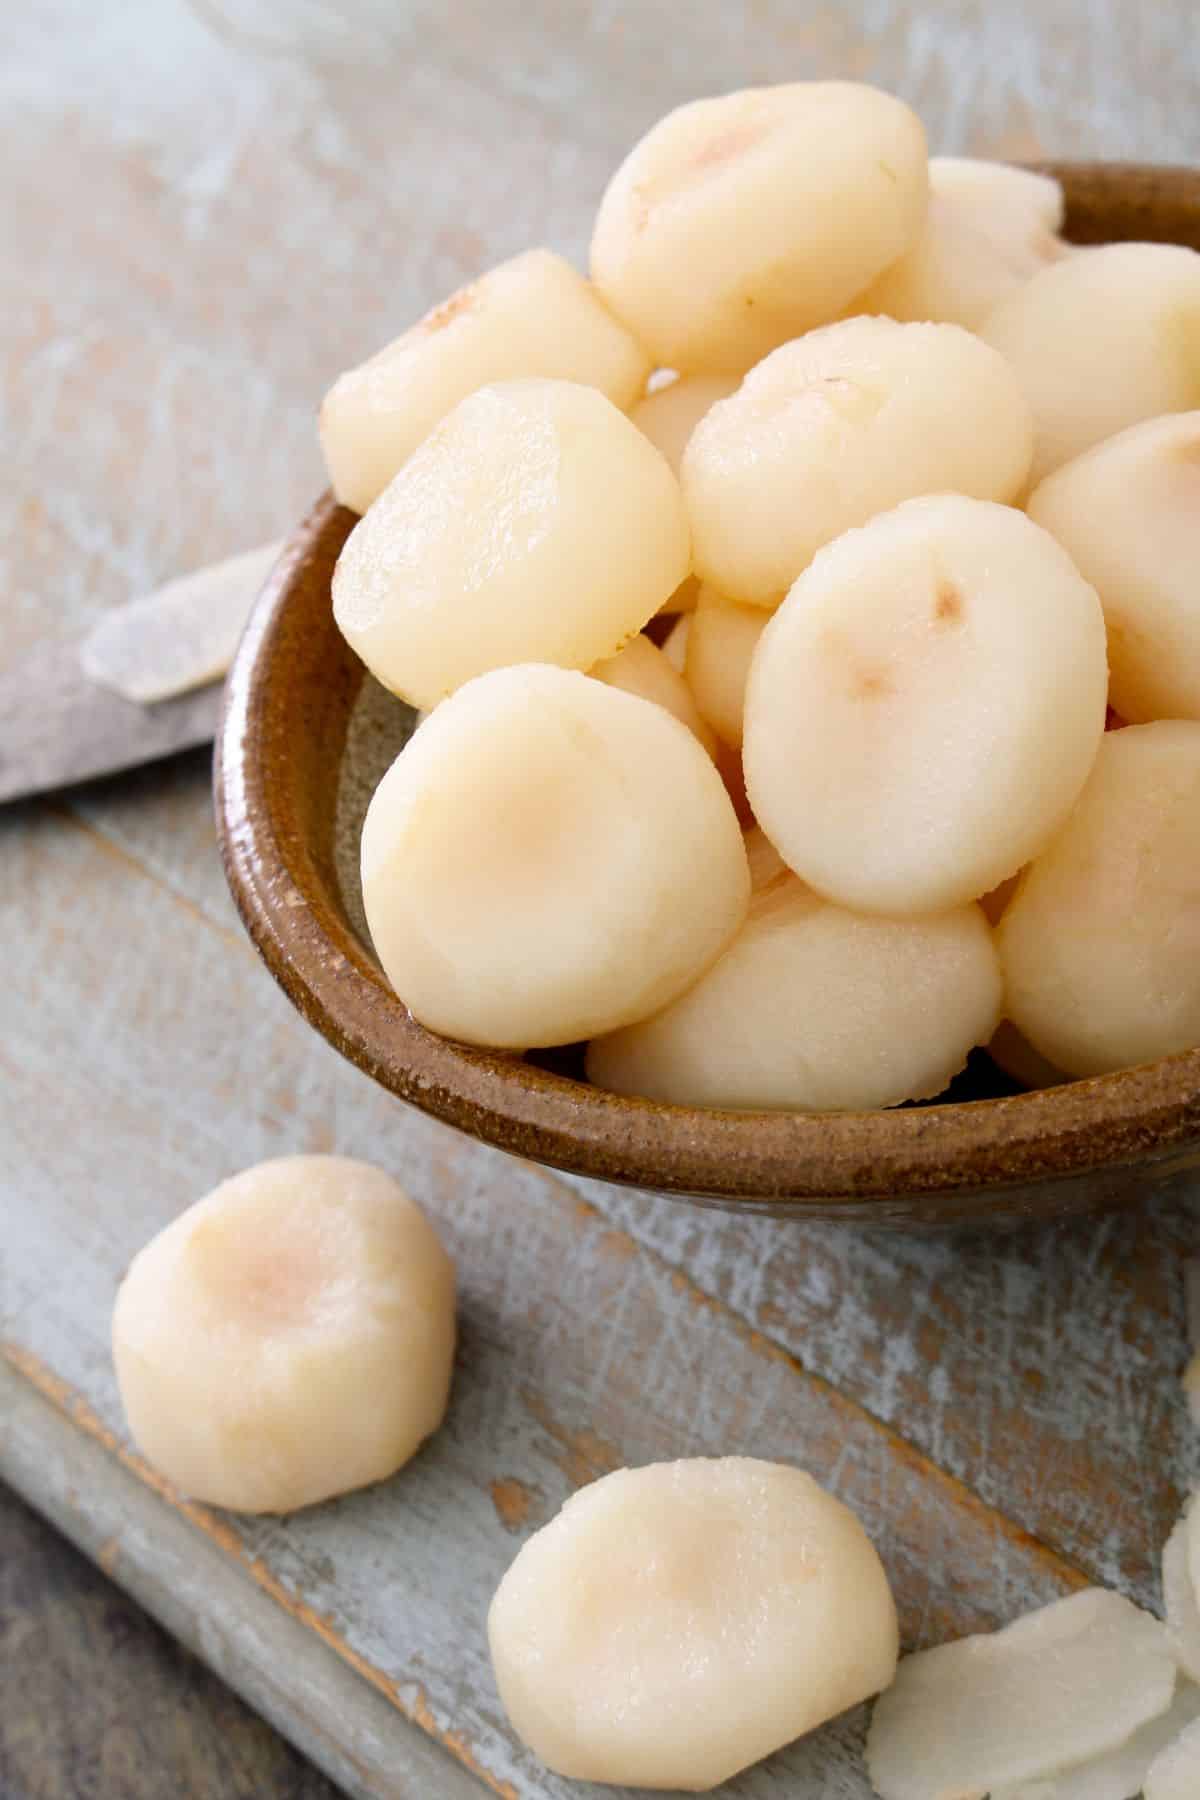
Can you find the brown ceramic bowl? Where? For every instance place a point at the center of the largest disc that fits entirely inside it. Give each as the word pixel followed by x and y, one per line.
pixel 307 734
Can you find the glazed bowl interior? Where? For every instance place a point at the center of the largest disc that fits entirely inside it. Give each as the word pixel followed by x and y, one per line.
pixel 306 736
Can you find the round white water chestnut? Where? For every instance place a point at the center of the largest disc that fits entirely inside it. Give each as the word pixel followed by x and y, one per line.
pixel 641 668
pixel 839 426
pixel 287 1338
pixel 1102 340
pixel 668 414
pixel 1128 511
pixel 548 858
pixel 925 706
pixel 491 545
pixel 531 316
pixel 676 1623
pixel 741 221
pixel 813 1008
pixel 671 413
pixel 1101 943
pixel 989 228
pixel 720 645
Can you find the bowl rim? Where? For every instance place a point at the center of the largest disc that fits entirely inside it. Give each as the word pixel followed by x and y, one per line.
pixel 1082 1127
pixel 976 1151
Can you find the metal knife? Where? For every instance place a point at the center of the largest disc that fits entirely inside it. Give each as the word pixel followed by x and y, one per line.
pixel 143 682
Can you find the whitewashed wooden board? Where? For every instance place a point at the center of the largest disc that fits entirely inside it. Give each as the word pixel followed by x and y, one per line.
pixel 212 208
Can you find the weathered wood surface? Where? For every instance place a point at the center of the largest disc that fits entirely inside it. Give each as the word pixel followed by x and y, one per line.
pixel 211 210
pixel 155 1708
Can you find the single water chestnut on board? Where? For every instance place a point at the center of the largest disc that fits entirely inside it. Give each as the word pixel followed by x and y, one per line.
pixel 675 1623
pixel 287 1338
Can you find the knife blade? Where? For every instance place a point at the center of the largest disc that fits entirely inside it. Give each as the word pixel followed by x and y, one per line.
pixel 69 709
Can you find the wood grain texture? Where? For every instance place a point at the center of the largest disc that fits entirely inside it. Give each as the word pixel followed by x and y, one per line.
pixel 64 1734
pixel 176 1573
pixel 212 208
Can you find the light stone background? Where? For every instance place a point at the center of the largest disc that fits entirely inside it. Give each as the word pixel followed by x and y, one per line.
pixel 208 210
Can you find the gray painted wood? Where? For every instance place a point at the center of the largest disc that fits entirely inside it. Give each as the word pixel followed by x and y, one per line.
pixel 214 208
pixel 95 1699
pixel 161 1731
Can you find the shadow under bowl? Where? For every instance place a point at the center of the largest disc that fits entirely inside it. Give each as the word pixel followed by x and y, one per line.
pixel 305 738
